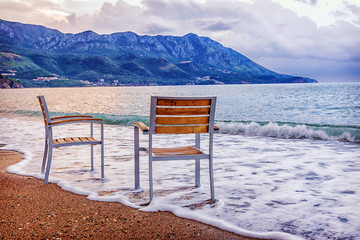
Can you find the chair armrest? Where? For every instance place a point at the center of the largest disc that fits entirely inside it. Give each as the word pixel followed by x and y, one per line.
pixel 142 126
pixel 71 116
pixel 76 120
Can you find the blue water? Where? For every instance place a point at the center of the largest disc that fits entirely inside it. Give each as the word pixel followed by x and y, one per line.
pixel 324 111
pixel 287 158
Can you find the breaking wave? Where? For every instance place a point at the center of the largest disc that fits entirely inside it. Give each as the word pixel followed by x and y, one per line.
pixel 292 130
pixel 284 130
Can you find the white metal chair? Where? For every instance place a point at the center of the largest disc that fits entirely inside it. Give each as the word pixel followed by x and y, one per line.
pixel 51 143
pixel 178 115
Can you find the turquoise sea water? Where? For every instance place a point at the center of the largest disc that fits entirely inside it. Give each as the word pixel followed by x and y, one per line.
pixel 287 158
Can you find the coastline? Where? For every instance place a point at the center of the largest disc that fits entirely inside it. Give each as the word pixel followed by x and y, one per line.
pixel 31 209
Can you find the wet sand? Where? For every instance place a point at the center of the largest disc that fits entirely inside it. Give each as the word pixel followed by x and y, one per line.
pixel 29 209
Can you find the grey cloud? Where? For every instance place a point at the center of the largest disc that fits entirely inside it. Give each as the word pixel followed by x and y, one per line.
pixel 218 26
pixel 353 8
pixel 213 24
pixel 45 4
pixel 72 19
pixel 311 2
pixel 11 10
pixel 320 69
pixel 157 28
pixel 183 9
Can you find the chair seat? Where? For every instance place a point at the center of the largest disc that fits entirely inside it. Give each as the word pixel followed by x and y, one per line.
pixel 176 151
pixel 74 140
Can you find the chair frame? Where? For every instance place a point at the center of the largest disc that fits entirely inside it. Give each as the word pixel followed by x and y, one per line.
pixel 182 127
pixel 50 142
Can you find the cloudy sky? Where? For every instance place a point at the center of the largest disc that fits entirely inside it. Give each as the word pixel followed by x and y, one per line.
pixel 312 38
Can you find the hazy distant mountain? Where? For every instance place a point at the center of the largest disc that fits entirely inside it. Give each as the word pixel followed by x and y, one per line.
pixel 35 51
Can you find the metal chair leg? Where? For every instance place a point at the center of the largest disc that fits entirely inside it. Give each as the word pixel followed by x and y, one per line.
pixel 151 180
pixel 92 157
pixel 211 172
pixel 45 156
pixel 211 168
pixel 150 169
pixel 137 157
pixel 92 147
pixel 48 164
pixel 197 173
pixel 102 151
pixel 197 162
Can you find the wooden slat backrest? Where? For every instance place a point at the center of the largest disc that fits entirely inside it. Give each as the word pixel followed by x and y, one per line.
pixel 183 111
pixel 189 102
pixel 181 115
pixel 44 110
pixel 181 120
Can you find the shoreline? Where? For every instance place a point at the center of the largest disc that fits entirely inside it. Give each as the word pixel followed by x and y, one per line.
pixel 31 209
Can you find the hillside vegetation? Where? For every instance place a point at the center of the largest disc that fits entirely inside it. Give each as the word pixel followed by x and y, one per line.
pixel 127 58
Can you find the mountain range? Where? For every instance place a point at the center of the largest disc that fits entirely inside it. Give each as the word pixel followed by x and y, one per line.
pixel 127 58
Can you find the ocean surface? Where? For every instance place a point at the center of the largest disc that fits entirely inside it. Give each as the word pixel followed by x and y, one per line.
pixel 286 160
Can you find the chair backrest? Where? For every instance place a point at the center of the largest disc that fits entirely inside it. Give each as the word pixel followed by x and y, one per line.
pixel 44 110
pixel 182 115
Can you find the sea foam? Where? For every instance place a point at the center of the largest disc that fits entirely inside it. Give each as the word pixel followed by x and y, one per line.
pixel 265 186
pixel 294 131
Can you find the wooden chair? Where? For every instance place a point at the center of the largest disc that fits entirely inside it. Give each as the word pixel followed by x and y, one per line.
pixel 178 115
pixel 51 143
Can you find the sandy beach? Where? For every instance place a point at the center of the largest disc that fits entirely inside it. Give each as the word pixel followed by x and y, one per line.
pixel 32 210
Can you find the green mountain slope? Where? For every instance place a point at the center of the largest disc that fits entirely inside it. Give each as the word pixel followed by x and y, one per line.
pixel 128 58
